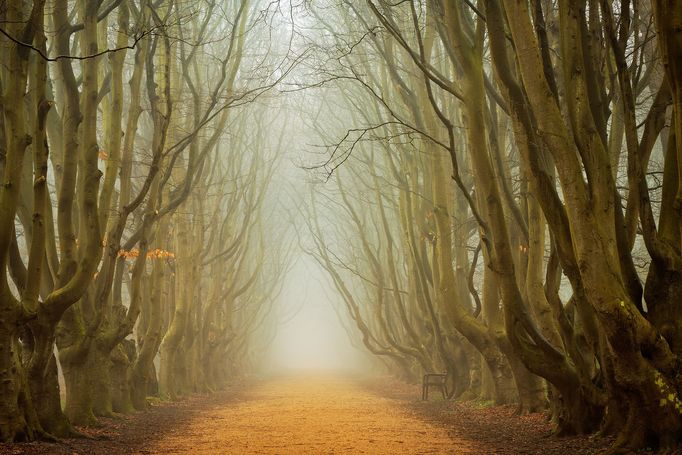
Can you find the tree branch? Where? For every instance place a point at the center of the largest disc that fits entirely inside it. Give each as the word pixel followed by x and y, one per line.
pixel 138 38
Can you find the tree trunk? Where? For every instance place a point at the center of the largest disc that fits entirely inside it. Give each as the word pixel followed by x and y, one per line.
pixel 122 358
pixel 83 376
pixel 14 425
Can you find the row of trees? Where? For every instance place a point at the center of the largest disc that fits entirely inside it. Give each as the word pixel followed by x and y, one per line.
pixel 506 200
pixel 135 172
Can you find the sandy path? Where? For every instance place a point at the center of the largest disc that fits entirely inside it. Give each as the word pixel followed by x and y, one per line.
pixel 319 415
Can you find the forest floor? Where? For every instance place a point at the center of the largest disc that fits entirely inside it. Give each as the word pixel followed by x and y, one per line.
pixel 319 414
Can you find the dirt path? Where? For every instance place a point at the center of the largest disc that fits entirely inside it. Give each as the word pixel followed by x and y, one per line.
pixel 319 415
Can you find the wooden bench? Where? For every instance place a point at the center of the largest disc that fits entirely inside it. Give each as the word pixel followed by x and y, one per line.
pixel 434 379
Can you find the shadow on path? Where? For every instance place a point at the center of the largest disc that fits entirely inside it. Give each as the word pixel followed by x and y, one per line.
pixel 134 433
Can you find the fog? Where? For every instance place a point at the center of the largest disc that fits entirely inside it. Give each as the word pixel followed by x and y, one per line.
pixel 310 336
pixel 309 320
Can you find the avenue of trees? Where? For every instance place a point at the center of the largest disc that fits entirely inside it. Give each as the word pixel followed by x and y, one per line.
pixel 495 193
pixel 134 255
pixel 504 183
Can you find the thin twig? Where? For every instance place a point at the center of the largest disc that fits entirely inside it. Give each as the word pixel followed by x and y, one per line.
pixel 138 38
